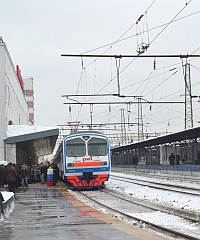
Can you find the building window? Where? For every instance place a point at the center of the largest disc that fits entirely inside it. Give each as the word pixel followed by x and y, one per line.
pixel 30 92
pixel 31 116
pixel 26 92
pixel 30 104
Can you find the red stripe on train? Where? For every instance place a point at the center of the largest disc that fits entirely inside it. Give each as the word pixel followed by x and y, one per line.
pixel 77 182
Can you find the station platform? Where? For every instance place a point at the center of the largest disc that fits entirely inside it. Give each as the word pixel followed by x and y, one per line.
pixel 180 170
pixel 52 212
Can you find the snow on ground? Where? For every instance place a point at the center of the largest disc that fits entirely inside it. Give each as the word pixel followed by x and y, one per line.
pixel 7 195
pixel 166 198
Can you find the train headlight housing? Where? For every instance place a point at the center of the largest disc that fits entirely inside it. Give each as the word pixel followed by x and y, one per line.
pixel 70 164
pixel 103 163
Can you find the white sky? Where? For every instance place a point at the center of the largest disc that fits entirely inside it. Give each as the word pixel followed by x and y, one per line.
pixel 36 35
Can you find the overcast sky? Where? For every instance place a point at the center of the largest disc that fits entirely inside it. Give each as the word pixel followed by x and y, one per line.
pixel 38 32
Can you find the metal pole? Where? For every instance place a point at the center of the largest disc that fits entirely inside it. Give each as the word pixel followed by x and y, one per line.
pixel 86 103
pixel 132 56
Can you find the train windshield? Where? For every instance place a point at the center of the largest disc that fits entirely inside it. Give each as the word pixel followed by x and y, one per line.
pixel 97 147
pixel 75 147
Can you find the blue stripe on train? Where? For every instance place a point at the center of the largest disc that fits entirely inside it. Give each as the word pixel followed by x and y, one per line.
pixel 103 169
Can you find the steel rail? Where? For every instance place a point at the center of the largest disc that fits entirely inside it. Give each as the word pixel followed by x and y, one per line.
pixel 167 188
pixel 167 230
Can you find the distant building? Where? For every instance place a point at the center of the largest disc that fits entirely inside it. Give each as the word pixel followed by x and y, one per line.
pixel 13 105
pixel 20 140
pixel 29 96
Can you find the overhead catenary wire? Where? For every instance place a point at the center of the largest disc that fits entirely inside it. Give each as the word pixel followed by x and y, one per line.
pixel 116 42
pixel 135 35
pixel 170 22
pixel 112 44
pixel 98 115
pixel 151 42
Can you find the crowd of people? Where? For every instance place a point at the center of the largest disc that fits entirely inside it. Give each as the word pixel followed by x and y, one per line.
pixel 16 176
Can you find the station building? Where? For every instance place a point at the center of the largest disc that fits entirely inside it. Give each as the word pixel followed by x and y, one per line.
pixel 20 140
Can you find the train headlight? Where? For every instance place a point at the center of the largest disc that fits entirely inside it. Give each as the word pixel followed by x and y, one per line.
pixel 70 164
pixel 103 163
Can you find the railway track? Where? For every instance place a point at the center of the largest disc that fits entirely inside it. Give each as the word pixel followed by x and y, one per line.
pixel 178 208
pixel 158 185
pixel 189 179
pixel 113 204
pixel 193 217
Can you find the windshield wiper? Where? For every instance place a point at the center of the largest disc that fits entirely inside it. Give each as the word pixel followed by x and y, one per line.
pixel 73 155
pixel 100 152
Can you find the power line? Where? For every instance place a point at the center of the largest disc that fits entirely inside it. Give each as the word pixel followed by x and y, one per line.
pixel 153 40
pixel 150 43
pixel 123 39
pixel 170 21
pixel 121 35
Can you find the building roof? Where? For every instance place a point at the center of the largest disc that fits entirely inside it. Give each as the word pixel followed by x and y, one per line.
pixel 40 141
pixel 178 137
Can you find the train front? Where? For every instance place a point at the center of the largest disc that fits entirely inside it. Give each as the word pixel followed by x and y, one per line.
pixel 87 160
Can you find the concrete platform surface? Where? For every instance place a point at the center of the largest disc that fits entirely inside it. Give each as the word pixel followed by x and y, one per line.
pixel 46 213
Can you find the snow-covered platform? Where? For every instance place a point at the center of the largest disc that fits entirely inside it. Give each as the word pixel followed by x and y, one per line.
pixel 52 212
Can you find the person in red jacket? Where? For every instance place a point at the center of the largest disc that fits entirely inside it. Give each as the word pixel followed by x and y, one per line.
pixel 11 176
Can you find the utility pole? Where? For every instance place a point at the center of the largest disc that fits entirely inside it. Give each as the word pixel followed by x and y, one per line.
pixel 91 111
pixel 188 97
pixel 123 128
pixel 140 121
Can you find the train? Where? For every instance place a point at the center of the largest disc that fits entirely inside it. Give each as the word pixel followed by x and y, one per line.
pixel 84 160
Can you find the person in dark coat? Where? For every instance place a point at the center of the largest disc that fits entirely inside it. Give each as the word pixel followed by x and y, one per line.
pixel 18 180
pixel 24 176
pixel 177 159
pixel 34 173
pixel 42 173
pixel 2 175
pixel 11 175
pixel 171 158
pixel 56 173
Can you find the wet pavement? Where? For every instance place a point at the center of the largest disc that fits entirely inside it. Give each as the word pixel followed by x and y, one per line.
pixel 45 213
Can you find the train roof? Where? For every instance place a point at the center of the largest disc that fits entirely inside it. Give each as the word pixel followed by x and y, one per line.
pixel 85 132
pixel 177 137
pixel 78 132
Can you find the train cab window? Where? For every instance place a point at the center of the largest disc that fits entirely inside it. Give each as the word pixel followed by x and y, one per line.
pixel 75 148
pixel 97 147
